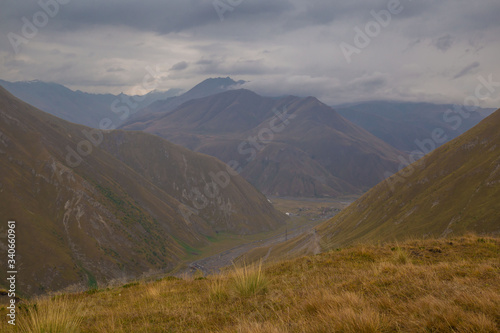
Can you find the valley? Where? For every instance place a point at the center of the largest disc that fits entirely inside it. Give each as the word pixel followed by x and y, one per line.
pixel 225 249
pixel 452 190
pixel 259 166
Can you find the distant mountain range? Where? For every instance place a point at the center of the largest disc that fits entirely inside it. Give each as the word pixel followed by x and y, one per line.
pixel 94 205
pixel 401 124
pixel 317 155
pixel 80 107
pixel 286 146
pixel 92 109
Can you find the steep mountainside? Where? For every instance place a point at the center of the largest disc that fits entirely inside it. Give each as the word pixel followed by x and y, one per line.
pixel 287 146
pixel 401 124
pixel 451 191
pixel 80 107
pixel 118 207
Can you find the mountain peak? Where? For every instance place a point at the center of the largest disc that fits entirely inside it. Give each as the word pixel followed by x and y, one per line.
pixel 312 99
pixel 215 83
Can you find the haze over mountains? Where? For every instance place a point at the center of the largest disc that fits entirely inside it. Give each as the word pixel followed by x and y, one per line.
pixel 90 109
pixel 286 146
pixel 96 205
pixel 402 124
pixel 399 124
pixel 81 107
pixel 206 88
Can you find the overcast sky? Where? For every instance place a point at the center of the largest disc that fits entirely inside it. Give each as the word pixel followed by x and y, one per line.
pixel 422 51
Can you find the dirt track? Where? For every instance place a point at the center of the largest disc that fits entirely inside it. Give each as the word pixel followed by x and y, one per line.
pixel 214 263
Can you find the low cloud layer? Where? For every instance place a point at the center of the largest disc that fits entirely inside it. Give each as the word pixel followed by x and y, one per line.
pixel 338 51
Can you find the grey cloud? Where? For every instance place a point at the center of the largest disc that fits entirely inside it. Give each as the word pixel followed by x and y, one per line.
pixel 241 67
pixel 115 69
pixel 466 69
pixel 443 43
pixel 367 83
pixel 179 66
pixel 158 16
pixel 324 11
pixel 282 46
pixel 204 62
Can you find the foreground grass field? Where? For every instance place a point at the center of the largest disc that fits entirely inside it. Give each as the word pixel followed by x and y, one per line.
pixel 445 285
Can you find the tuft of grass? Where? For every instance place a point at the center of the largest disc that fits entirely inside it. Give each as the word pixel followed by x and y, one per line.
pixel 52 315
pixel 249 280
pixel 401 256
pixel 217 289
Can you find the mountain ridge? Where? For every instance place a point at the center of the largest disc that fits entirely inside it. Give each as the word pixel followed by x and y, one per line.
pixel 81 107
pixel 246 130
pixel 134 204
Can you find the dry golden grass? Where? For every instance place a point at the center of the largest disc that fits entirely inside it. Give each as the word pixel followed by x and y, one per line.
pixel 218 288
pixel 51 315
pixel 249 280
pixel 448 285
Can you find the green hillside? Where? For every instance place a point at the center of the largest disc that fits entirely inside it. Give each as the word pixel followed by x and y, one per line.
pixel 453 190
pixel 136 204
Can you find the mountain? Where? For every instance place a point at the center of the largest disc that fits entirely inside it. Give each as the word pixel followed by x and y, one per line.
pixel 206 88
pixel 80 107
pixel 404 124
pixel 450 192
pixel 453 190
pixel 94 205
pixel 286 146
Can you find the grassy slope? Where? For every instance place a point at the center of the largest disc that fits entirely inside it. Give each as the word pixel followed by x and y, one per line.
pixel 453 190
pixel 416 286
pixel 118 214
